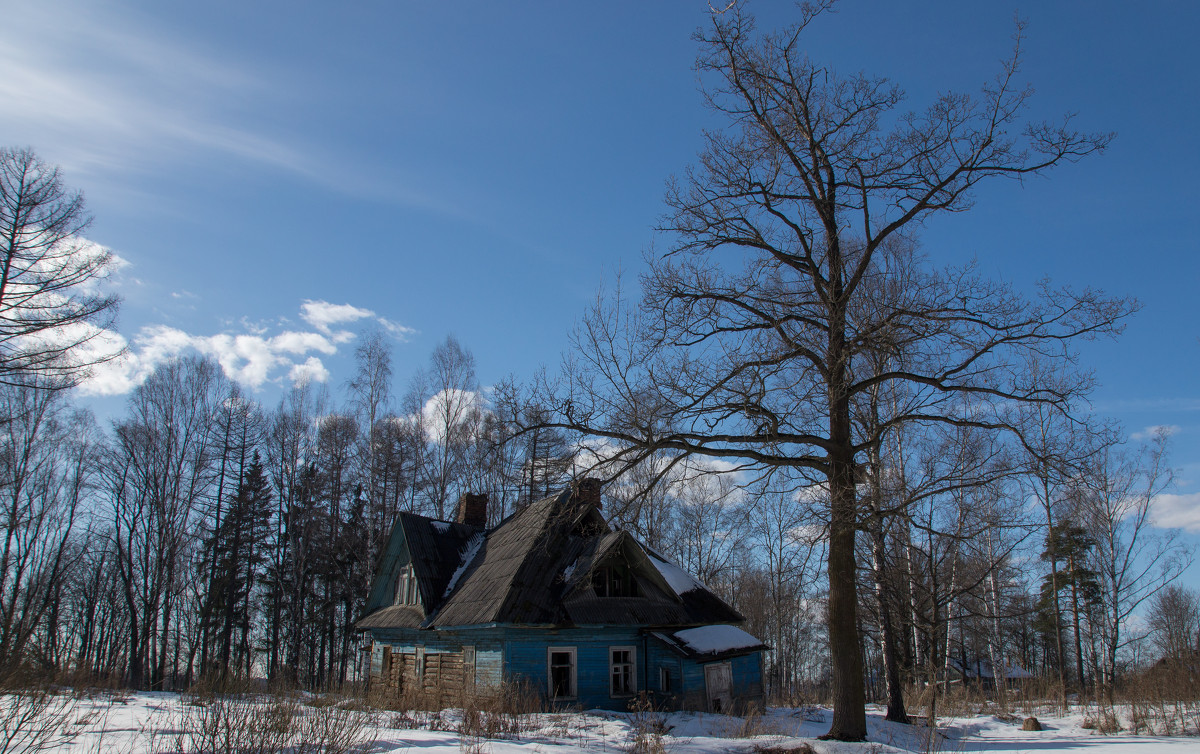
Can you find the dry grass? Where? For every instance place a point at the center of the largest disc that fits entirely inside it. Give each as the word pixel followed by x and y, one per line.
pixel 1164 700
pixel 231 717
pixel 648 726
pixel 36 719
pixel 802 748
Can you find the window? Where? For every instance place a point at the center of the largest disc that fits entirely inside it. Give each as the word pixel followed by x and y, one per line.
pixel 561 672
pixel 664 680
pixel 622 671
pixel 468 653
pixel 614 581
pixel 406 587
pixel 420 663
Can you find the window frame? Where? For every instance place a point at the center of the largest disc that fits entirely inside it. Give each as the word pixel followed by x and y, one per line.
pixel 406 587
pixel 632 665
pixel 574 653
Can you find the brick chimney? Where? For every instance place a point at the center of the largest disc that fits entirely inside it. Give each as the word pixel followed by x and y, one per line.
pixel 472 510
pixel 588 491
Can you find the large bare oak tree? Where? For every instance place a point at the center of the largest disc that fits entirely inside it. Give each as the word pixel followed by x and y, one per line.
pixel 791 291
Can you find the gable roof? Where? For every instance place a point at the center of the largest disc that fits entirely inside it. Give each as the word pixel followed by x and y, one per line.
pixel 429 545
pixel 511 577
pixel 536 568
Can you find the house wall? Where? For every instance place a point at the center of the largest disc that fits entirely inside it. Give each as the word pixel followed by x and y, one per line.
pixel 526 658
pixel 519 654
pixel 434 666
pixel 747 682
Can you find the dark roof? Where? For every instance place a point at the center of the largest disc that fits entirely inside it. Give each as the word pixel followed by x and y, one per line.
pixel 512 577
pixel 432 546
pixel 536 568
pixel 395 616
pixel 981 668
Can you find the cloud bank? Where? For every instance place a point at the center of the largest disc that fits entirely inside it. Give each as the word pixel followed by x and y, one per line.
pixel 253 358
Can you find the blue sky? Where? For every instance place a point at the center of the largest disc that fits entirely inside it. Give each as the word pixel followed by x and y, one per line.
pixel 278 175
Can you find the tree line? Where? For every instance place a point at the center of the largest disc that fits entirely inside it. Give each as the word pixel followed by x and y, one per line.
pixel 205 533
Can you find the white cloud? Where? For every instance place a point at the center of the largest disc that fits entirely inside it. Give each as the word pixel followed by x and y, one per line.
pixel 253 357
pixel 106 89
pixel 1168 430
pixel 302 342
pixel 323 315
pixel 398 331
pixel 312 370
pixel 1178 511
pixel 450 407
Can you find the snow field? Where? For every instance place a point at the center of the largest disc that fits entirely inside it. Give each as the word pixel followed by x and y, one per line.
pixel 154 723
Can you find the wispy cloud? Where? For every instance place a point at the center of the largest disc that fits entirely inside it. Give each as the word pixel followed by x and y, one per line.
pixel 1154 430
pixel 254 357
pixel 104 89
pixel 324 315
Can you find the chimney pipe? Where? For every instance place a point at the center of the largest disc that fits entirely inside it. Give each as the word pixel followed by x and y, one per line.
pixel 472 510
pixel 588 491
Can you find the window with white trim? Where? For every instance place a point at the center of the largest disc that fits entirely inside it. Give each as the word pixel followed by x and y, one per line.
pixel 406 587
pixel 561 672
pixel 622 666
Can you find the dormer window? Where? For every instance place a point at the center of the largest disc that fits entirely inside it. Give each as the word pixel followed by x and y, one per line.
pixel 406 587
pixel 614 580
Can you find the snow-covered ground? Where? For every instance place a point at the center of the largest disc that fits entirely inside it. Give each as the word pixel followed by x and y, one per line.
pixel 150 723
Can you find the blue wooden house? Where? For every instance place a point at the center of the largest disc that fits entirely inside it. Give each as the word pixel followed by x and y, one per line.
pixel 556 599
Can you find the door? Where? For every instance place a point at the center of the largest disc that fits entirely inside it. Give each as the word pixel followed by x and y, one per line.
pixel 385 666
pixel 718 682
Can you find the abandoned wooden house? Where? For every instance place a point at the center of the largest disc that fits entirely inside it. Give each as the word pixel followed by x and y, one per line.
pixel 555 599
pixel 979 672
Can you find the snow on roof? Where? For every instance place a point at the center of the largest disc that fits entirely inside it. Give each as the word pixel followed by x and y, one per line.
pixel 983 669
pixel 468 554
pixel 441 526
pixel 570 570
pixel 678 579
pixel 718 638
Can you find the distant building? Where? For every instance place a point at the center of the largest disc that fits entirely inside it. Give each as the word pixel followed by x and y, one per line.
pixel 556 599
pixel 981 672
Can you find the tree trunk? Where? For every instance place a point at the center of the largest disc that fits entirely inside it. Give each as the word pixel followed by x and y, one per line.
pixel 1075 622
pixel 887 631
pixel 845 650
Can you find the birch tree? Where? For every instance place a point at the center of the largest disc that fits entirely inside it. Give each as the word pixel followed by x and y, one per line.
pixel 1133 561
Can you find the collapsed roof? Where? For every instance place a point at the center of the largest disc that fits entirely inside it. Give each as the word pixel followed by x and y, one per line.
pixel 555 562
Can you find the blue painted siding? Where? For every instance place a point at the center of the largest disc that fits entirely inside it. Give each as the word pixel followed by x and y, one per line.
pixel 747 675
pixel 525 655
pixel 511 653
pixel 659 656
